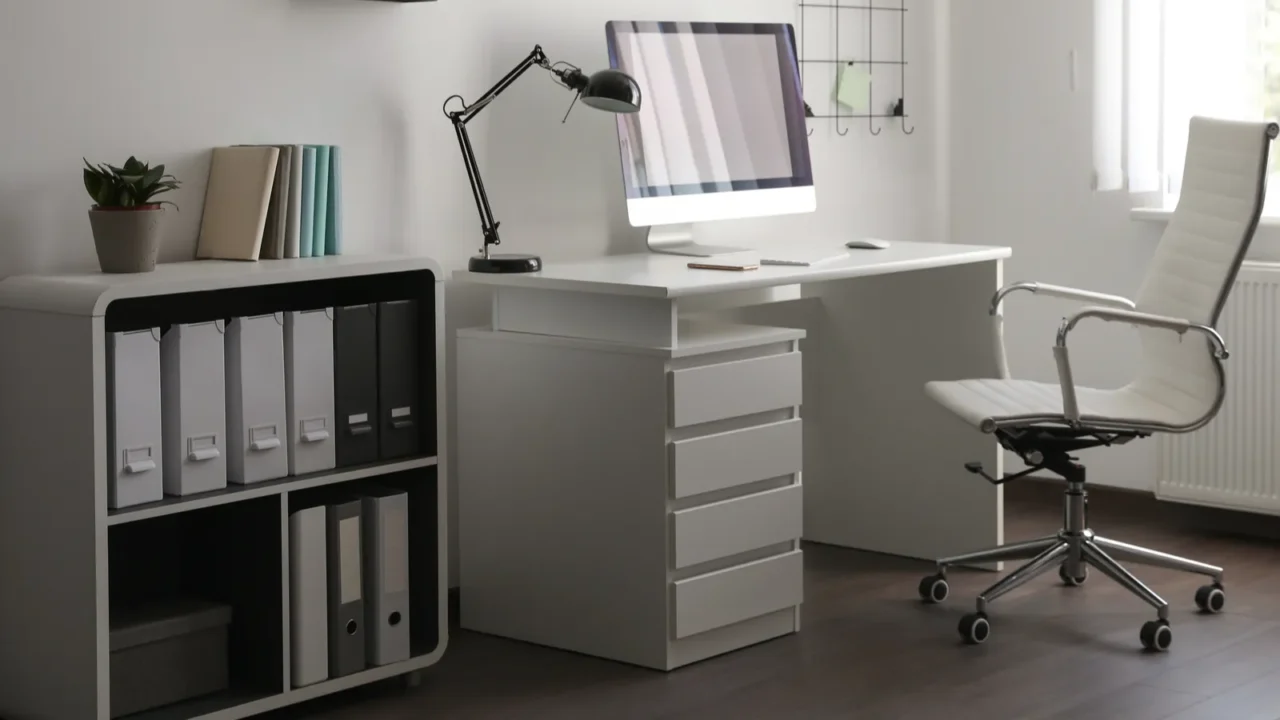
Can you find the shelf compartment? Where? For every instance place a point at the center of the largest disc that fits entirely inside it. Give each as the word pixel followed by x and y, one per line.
pixel 167 308
pixel 424 544
pixel 216 705
pixel 228 554
pixel 234 705
pixel 242 493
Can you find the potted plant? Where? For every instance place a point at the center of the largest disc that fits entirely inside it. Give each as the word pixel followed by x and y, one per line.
pixel 126 218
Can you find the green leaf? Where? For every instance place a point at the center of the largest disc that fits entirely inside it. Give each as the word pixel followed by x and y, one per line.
pixel 152 177
pixel 92 183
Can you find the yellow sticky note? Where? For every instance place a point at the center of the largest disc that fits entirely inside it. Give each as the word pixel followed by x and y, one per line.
pixel 853 87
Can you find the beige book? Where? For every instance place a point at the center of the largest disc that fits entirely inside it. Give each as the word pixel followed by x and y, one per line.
pixel 241 180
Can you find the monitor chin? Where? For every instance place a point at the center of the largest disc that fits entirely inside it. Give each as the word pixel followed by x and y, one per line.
pixel 681 209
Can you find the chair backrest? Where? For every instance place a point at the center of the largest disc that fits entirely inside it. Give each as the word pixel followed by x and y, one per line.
pixel 1223 190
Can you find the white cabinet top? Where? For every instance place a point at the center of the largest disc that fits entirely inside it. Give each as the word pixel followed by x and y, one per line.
pixel 89 294
pixel 669 276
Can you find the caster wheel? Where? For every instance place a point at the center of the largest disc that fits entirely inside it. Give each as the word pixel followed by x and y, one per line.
pixel 1076 581
pixel 975 628
pixel 1157 635
pixel 1211 599
pixel 934 589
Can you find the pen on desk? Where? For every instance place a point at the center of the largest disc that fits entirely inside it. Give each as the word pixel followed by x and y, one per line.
pixel 711 266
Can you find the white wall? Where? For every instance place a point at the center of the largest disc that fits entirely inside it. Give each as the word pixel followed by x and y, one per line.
pixel 169 79
pixel 1021 171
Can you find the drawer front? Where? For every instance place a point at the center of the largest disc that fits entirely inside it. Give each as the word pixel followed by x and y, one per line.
pixel 716 392
pixel 734 526
pixel 716 462
pixel 729 596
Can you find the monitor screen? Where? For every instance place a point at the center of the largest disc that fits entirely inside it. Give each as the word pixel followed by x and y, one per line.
pixel 723 111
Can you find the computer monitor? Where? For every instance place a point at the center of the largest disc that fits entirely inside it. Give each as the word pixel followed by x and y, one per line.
pixel 721 134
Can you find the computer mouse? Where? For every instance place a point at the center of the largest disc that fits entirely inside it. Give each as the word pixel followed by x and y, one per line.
pixel 867 244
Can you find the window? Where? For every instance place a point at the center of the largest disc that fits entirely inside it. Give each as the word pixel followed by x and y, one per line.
pixel 1157 63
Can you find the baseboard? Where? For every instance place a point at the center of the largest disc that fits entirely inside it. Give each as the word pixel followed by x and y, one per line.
pixel 1220 521
pixel 1145 505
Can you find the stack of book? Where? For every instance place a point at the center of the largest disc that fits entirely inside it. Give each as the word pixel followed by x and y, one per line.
pixel 269 202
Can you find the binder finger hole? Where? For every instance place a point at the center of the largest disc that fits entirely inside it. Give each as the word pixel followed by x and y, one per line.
pixel 351 627
pixel 394 620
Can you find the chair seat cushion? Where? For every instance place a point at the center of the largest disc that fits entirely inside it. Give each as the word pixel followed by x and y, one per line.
pixel 991 404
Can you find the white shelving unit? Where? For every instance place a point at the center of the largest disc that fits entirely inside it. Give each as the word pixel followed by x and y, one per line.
pixel 65 555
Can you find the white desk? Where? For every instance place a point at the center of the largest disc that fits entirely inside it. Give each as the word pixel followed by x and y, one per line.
pixel 629 481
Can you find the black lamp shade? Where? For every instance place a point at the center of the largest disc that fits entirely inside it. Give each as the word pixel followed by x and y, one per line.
pixel 612 91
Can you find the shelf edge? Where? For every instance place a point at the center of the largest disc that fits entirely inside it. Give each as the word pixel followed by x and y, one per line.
pixel 274 487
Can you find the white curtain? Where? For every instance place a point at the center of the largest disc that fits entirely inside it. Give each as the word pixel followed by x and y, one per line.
pixel 1108 94
pixel 1156 64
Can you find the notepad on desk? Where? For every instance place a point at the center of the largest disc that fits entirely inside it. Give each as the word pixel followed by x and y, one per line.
pixel 800 259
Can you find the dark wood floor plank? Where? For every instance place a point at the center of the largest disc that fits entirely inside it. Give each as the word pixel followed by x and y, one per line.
pixel 869 650
pixel 1130 702
pixel 1258 699
pixel 1241 662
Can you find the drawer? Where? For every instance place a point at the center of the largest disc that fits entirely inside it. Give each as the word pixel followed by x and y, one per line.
pixel 734 526
pixel 729 596
pixel 734 389
pixel 716 462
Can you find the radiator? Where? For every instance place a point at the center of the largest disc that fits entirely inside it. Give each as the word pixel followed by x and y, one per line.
pixel 1234 461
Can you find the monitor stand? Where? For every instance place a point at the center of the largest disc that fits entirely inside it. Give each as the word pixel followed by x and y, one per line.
pixel 678 240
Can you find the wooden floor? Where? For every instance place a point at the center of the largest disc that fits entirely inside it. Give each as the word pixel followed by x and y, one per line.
pixel 870 650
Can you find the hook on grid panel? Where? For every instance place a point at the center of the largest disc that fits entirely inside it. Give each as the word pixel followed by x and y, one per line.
pixel 831 11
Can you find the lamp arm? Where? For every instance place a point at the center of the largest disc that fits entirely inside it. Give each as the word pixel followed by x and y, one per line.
pixel 537 57
pixel 489 224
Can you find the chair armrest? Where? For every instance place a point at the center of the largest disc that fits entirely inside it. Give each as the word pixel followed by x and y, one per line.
pixel 1181 326
pixel 1133 317
pixel 1060 292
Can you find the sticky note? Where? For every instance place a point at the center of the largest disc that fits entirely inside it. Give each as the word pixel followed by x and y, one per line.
pixel 853 87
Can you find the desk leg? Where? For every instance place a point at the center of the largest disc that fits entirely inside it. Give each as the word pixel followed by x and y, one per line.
pixel 884 464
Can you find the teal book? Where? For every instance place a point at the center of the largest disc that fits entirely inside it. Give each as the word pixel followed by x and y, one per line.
pixel 307 233
pixel 333 227
pixel 321 225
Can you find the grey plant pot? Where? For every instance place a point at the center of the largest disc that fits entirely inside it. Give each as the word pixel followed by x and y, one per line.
pixel 127 241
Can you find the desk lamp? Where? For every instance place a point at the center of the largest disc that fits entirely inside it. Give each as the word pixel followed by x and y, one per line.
pixel 609 90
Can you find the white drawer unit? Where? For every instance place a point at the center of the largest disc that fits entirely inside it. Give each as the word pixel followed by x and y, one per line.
pixel 724 460
pixel 676 479
pixel 736 526
pixel 733 389
pixel 726 597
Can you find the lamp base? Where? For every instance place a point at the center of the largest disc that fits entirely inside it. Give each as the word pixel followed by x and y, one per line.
pixel 507 263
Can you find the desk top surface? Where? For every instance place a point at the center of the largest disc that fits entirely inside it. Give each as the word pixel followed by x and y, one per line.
pixel 669 276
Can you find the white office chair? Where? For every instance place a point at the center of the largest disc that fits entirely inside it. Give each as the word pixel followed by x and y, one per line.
pixel 1179 386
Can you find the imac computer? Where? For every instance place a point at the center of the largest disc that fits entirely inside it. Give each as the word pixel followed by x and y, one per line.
pixel 722 133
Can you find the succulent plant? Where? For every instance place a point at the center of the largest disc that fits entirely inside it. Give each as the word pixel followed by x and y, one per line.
pixel 133 186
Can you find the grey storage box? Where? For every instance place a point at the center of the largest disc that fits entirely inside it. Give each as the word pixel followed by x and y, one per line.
pixel 163 654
